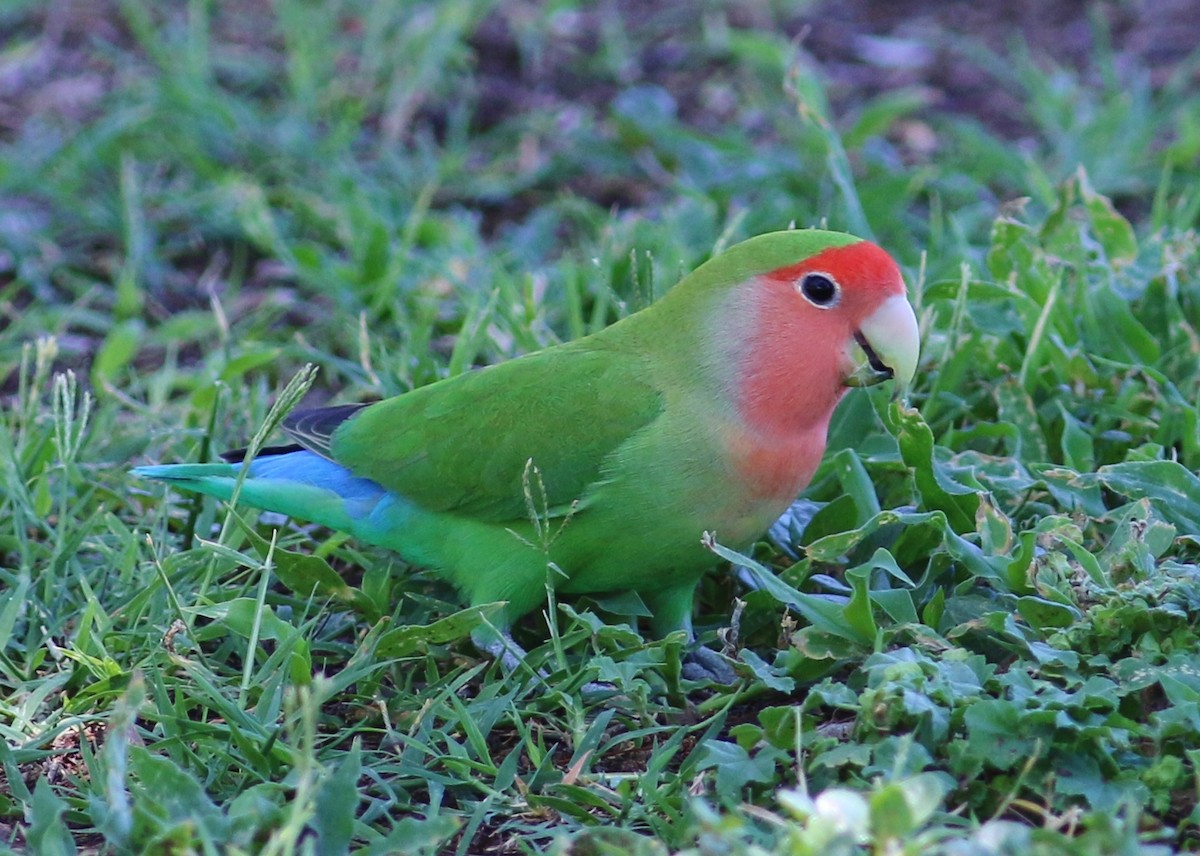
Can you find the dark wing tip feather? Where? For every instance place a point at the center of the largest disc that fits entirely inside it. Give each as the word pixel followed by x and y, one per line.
pixel 236 456
pixel 313 428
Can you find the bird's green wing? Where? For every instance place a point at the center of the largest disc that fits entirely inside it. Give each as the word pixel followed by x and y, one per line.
pixel 461 445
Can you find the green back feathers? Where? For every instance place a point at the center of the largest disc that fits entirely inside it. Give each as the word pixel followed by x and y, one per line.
pixel 461 445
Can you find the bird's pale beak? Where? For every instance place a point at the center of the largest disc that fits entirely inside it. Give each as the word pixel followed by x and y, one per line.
pixel 890 343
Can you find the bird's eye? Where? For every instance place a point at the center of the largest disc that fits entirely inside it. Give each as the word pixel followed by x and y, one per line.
pixel 820 289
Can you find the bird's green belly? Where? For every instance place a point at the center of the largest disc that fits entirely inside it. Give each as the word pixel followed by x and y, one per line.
pixel 642 568
pixel 622 541
pixel 653 552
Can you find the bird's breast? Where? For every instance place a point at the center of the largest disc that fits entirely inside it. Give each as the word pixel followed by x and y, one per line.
pixel 773 469
pixel 764 476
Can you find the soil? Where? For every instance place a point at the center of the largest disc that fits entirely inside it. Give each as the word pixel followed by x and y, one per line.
pixel 863 47
pixel 866 47
pixel 56 59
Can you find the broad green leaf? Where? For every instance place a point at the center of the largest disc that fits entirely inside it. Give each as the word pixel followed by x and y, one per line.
pixel 239 616
pixel 859 613
pixel 1072 491
pixel 118 349
pixel 1173 489
pixel 996 734
pixel 1118 333
pixel 831 518
pixel 832 547
pixel 898 604
pixel 337 803
pixel 1141 536
pixel 417 836
pixel 309 575
pixel 817 652
pixel 247 361
pixel 884 561
pixel 254 809
pixel 1016 408
pixel 938 489
pixel 1042 613
pixel 735 767
pixel 881 112
pixel 1112 230
pixel 765 673
pixel 1077 447
pixel 623 603
pixel 1081 775
pixel 402 641
pixel 857 484
pixel 1090 564
pixel 900 808
pixel 994 528
pixel 1011 249
pixel 977 290
pixel 47 833
pixel 167 797
pixel 932 614
pixel 824 614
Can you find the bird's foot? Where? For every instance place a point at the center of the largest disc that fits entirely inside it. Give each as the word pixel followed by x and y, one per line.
pixel 502 647
pixel 705 664
pixel 598 691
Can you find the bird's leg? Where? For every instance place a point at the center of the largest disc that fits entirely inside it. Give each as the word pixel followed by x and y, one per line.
pixel 672 610
pixel 705 664
pixel 499 645
pixel 492 637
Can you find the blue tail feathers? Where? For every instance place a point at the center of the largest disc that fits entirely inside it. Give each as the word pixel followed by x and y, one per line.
pixel 309 468
pixel 301 484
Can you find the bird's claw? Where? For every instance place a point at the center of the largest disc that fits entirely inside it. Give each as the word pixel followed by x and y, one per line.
pixel 705 664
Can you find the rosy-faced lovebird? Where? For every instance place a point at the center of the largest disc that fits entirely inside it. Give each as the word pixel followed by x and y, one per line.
pixel 705 412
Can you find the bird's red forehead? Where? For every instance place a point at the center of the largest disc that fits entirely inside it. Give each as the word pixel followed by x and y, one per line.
pixel 864 264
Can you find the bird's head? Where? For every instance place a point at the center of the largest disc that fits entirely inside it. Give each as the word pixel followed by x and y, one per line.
pixel 850 295
pixel 815 312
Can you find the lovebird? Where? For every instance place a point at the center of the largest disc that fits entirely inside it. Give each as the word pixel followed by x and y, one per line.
pixel 707 411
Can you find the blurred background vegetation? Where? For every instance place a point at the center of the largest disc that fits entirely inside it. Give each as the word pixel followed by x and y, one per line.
pixel 199 197
pixel 304 161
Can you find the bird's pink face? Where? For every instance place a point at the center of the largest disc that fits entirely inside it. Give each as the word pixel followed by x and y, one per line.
pixel 837 319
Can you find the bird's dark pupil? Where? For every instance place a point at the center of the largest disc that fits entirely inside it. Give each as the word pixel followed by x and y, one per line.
pixel 819 289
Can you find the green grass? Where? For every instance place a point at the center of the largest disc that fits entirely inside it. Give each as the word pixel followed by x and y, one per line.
pixel 979 638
